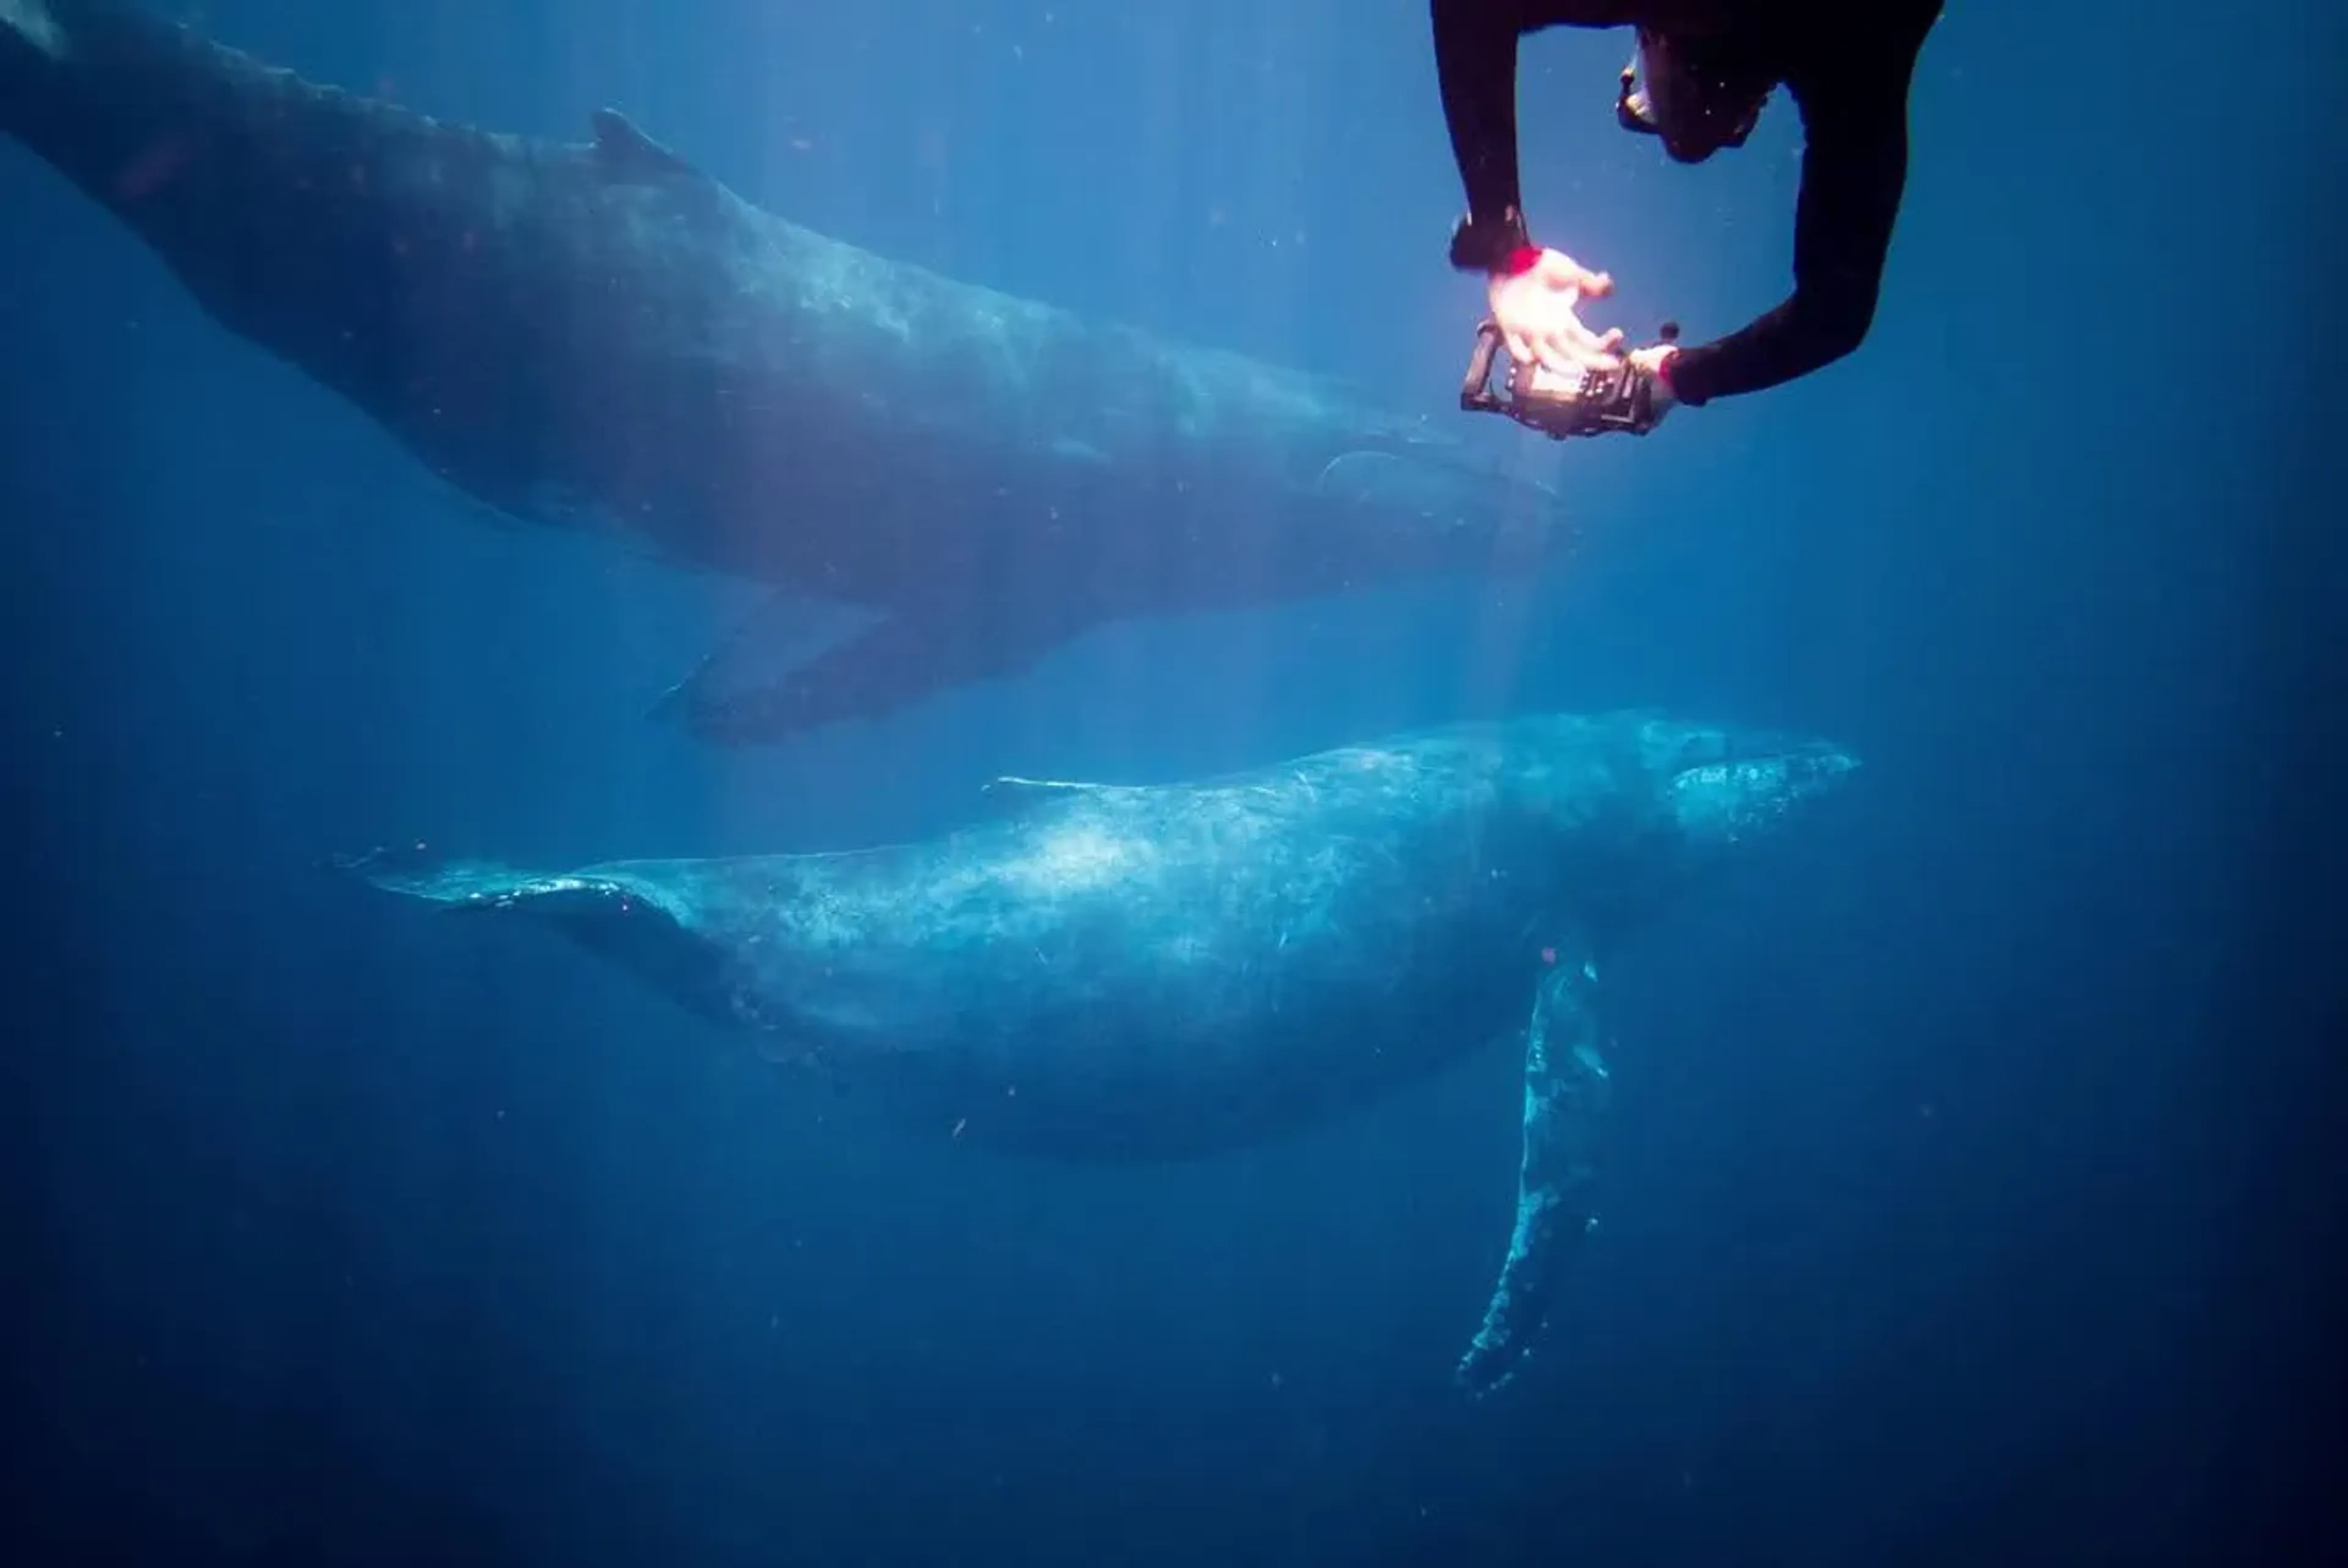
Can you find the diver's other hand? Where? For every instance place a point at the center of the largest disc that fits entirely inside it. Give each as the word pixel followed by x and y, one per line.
pixel 1538 313
pixel 1654 361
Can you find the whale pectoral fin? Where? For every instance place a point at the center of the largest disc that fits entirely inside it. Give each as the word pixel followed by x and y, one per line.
pixel 627 153
pixel 1566 1090
pixel 784 628
pixel 898 662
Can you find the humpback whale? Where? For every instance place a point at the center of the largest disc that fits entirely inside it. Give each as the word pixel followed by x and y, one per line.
pixel 599 335
pixel 1103 972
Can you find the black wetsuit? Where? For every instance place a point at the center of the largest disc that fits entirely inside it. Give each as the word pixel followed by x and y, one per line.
pixel 1847 64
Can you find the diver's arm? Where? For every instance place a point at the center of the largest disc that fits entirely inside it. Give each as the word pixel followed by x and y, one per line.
pixel 1854 168
pixel 1476 67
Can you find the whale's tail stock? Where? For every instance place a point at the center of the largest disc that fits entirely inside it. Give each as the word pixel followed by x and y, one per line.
pixel 181 138
pixel 94 87
pixel 27 23
pixel 628 918
pixel 33 65
pixel 419 872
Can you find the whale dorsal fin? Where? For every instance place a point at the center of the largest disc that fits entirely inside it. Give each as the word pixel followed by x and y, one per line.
pixel 1010 794
pixel 1012 790
pixel 629 153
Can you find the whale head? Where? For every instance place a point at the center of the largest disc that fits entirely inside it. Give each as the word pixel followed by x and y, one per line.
pixel 1702 785
pixel 1726 787
pixel 1637 795
pixel 1624 809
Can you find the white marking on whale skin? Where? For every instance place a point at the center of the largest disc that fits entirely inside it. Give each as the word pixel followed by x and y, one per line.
pixel 1079 858
pixel 30 19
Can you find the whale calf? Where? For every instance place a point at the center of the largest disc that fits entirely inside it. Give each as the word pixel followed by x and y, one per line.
pixel 599 335
pixel 1115 973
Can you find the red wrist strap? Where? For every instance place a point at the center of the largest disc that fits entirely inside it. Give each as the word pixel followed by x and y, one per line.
pixel 1520 261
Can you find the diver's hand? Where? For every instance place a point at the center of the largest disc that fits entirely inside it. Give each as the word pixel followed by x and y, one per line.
pixel 1536 312
pixel 1651 360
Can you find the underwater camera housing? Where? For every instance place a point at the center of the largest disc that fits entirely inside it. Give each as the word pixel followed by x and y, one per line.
pixel 1620 399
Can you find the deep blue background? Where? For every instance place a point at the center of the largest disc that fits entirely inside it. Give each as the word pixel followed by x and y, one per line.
pixel 1953 1164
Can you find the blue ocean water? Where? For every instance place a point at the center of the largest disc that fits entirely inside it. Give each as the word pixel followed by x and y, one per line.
pixel 354 1238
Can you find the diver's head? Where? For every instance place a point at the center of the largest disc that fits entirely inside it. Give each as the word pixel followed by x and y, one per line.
pixel 1693 93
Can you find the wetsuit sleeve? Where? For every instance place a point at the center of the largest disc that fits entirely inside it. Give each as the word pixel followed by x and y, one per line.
pixel 1476 67
pixel 1854 167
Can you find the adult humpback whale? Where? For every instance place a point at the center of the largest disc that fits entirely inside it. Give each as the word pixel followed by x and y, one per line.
pixel 1113 973
pixel 599 335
